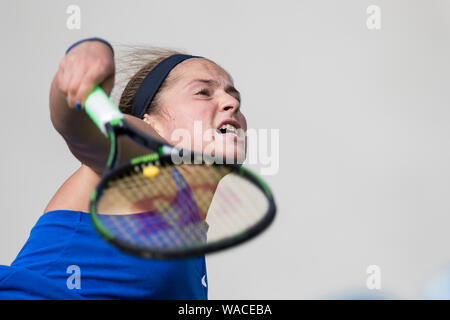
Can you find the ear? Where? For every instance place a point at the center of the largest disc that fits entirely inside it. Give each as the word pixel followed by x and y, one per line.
pixel 156 125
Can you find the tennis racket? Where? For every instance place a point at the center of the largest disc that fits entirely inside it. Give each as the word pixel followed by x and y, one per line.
pixel 155 207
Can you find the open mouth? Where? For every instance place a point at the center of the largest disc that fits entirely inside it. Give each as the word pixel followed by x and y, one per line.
pixel 229 126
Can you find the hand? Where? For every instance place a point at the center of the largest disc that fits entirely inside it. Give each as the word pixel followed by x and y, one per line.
pixel 88 64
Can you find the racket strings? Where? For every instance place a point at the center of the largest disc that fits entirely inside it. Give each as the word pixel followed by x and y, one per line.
pixel 238 206
pixel 166 224
pixel 182 206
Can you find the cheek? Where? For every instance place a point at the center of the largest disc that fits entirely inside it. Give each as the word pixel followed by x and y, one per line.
pixel 190 112
pixel 204 113
pixel 187 124
pixel 197 116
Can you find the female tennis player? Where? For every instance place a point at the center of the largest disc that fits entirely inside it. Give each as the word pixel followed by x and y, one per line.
pixel 64 257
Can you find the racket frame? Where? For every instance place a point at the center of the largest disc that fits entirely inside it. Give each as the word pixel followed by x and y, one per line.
pixel 111 122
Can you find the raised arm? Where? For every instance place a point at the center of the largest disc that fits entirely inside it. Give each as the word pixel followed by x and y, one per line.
pixel 88 64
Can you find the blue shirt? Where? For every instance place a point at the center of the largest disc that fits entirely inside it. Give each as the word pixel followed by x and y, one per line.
pixel 65 258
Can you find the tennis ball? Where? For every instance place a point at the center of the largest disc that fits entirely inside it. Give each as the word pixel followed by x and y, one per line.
pixel 150 171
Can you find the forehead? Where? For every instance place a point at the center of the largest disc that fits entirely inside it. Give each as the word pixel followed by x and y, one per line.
pixel 200 68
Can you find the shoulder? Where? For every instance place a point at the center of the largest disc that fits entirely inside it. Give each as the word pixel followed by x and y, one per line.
pixel 75 192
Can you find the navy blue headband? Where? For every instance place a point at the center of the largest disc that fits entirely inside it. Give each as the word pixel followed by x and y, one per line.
pixel 153 81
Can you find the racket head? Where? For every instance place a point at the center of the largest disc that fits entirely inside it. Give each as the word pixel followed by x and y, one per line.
pixel 154 208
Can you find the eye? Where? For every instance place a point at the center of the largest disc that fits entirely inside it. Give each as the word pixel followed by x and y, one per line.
pixel 203 92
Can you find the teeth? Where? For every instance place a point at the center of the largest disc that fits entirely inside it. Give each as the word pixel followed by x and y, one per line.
pixel 228 128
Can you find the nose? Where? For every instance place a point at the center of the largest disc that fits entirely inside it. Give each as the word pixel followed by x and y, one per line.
pixel 228 103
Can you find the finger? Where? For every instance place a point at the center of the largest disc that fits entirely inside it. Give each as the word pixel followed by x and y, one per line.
pixel 76 80
pixel 108 84
pixel 63 77
pixel 95 76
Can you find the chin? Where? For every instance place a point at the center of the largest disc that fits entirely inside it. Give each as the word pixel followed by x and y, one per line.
pixel 235 154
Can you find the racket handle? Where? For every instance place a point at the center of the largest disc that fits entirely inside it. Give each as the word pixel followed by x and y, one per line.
pixel 101 109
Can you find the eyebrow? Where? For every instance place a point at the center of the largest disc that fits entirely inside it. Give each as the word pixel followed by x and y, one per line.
pixel 229 89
